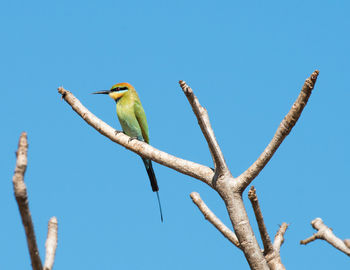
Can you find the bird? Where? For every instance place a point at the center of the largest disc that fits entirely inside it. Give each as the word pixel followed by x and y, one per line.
pixel 132 119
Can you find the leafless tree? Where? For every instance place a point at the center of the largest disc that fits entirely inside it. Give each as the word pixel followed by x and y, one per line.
pixel 220 179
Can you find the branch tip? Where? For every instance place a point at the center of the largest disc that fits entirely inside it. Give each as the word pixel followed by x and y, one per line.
pixel 205 125
pixel 185 88
pixel 281 133
pixel 51 243
pixel 21 196
pixel 279 237
pixel 314 75
pixel 252 193
pixel 268 248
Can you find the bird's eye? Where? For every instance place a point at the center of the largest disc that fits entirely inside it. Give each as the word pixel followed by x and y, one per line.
pixel 116 89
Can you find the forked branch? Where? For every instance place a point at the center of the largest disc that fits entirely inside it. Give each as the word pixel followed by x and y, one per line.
pixel 283 130
pixel 271 251
pixel 325 233
pixel 274 258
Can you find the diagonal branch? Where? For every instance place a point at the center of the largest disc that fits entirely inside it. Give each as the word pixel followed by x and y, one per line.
pixel 195 170
pixel 22 201
pixel 279 237
pixel 51 243
pixel 204 123
pixel 210 216
pixel 325 233
pixel 283 130
pixel 274 258
pixel 271 251
pixel 260 220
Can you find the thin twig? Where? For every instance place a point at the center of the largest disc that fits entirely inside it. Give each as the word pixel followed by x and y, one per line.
pixel 273 257
pixel 260 220
pixel 283 130
pixel 279 237
pixel 271 251
pixel 195 170
pixel 51 243
pixel 325 233
pixel 204 123
pixel 22 201
pixel 213 219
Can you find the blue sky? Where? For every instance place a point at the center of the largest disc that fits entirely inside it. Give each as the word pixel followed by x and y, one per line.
pixel 245 60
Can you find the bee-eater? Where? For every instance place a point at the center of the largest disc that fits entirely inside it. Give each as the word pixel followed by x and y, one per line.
pixel 132 118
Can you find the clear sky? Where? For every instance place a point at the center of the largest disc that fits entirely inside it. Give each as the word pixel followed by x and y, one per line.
pixel 245 60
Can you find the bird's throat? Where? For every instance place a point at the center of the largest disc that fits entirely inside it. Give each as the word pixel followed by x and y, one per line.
pixel 117 95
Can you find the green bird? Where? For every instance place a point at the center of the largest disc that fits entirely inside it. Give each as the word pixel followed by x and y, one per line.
pixel 133 120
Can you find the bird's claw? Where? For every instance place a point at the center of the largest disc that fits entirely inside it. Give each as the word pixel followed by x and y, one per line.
pixel 116 132
pixel 132 138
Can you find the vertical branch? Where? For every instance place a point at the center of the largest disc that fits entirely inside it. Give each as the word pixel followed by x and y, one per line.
pixel 204 123
pixel 279 237
pixel 51 243
pixel 271 251
pixel 22 201
pixel 259 218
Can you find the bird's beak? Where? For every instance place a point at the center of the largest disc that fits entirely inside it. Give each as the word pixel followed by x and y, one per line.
pixel 106 92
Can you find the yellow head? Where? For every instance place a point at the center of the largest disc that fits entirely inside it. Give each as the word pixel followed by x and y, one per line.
pixel 117 91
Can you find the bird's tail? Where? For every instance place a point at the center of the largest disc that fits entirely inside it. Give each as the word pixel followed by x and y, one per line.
pixel 153 180
pixel 151 175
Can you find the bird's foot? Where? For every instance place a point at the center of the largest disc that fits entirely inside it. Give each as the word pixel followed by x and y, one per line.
pixel 116 132
pixel 132 138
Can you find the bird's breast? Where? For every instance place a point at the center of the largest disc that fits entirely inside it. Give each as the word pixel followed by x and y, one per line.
pixel 127 120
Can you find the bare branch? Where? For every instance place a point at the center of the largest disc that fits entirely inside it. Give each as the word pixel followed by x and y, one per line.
pixel 271 251
pixel 204 123
pixel 347 242
pixel 195 170
pixel 325 233
pixel 20 191
pixel 260 220
pixel 273 257
pixel 51 243
pixel 309 239
pixel 213 219
pixel 279 237
pixel 283 130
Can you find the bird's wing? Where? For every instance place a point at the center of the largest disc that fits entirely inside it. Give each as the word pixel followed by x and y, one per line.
pixel 141 119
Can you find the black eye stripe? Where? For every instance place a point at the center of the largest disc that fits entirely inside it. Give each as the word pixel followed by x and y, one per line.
pixel 119 89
